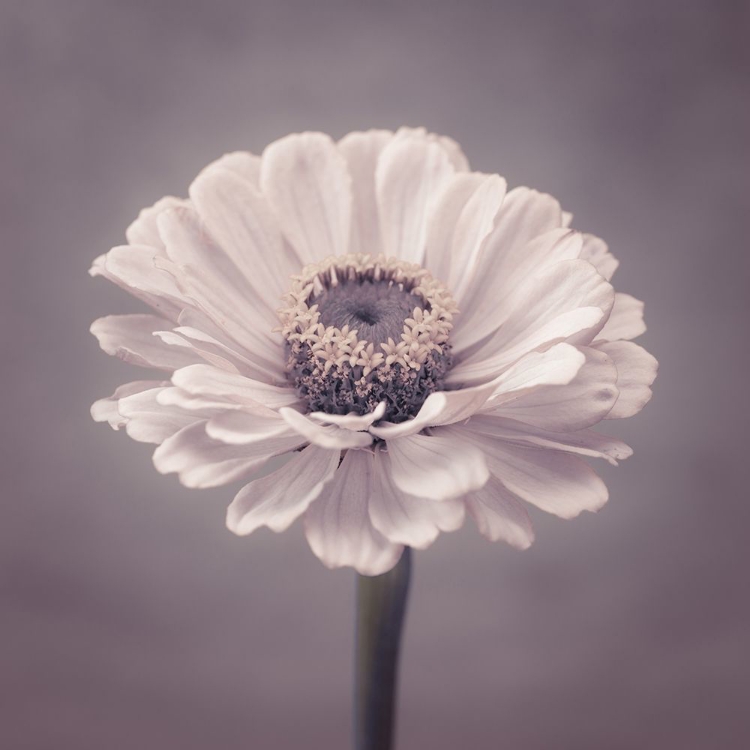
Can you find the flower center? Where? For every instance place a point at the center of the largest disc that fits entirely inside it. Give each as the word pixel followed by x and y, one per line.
pixel 361 330
pixel 375 309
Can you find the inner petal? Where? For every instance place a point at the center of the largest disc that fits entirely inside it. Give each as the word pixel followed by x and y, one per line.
pixel 375 309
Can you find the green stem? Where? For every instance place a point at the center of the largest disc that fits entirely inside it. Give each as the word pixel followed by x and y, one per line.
pixel 381 606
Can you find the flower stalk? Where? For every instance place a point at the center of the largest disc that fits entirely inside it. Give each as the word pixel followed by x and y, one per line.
pixel 381 607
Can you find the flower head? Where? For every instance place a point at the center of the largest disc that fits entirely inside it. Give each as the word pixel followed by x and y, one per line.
pixel 417 341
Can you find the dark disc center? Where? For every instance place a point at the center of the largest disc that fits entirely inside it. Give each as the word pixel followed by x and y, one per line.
pixel 375 309
pixel 367 314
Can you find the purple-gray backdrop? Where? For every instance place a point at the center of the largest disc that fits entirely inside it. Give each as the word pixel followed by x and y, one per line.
pixel 131 619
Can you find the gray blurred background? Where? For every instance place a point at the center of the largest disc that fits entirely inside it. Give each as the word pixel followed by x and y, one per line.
pixel 130 618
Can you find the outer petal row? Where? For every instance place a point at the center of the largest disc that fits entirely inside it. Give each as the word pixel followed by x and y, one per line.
pixel 338 524
pixel 279 498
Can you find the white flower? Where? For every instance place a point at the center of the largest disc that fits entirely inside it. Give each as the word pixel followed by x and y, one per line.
pixel 418 341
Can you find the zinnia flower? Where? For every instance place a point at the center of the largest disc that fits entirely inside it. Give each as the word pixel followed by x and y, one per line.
pixel 417 341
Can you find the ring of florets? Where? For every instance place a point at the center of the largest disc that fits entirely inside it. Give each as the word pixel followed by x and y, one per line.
pixel 336 372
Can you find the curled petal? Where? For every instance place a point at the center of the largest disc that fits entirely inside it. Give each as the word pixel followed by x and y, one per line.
pixel 351 421
pixel 326 436
pixel 443 407
pixel 558 365
pixel 436 466
pixel 581 402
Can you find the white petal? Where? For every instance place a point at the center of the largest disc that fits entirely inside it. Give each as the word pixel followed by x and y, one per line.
pixel 338 525
pixel 410 174
pixel 306 181
pixel 211 278
pixel 207 269
pixel 557 366
pixel 443 407
pixel 203 462
pixel 148 421
pixel 581 442
pixel 568 301
pixel 213 341
pixel 500 516
pixel 132 339
pixel 133 269
pixel 201 352
pixel 243 224
pixel 489 307
pixel 636 371
pixel 463 216
pixel 362 151
pixel 242 163
pixel 235 427
pixel 328 436
pixel 456 193
pixel 185 401
pixel 105 409
pixel 561 328
pixel 625 321
pixel 351 421
pixel 436 466
pixel 205 380
pixel 556 482
pixel 221 352
pixel 582 402
pixel 524 215
pixel 595 251
pixel 452 150
pixel 281 497
pixel 144 230
pixel 455 153
pixel 405 519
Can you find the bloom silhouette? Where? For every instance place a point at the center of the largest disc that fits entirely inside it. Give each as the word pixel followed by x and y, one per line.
pixel 416 340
